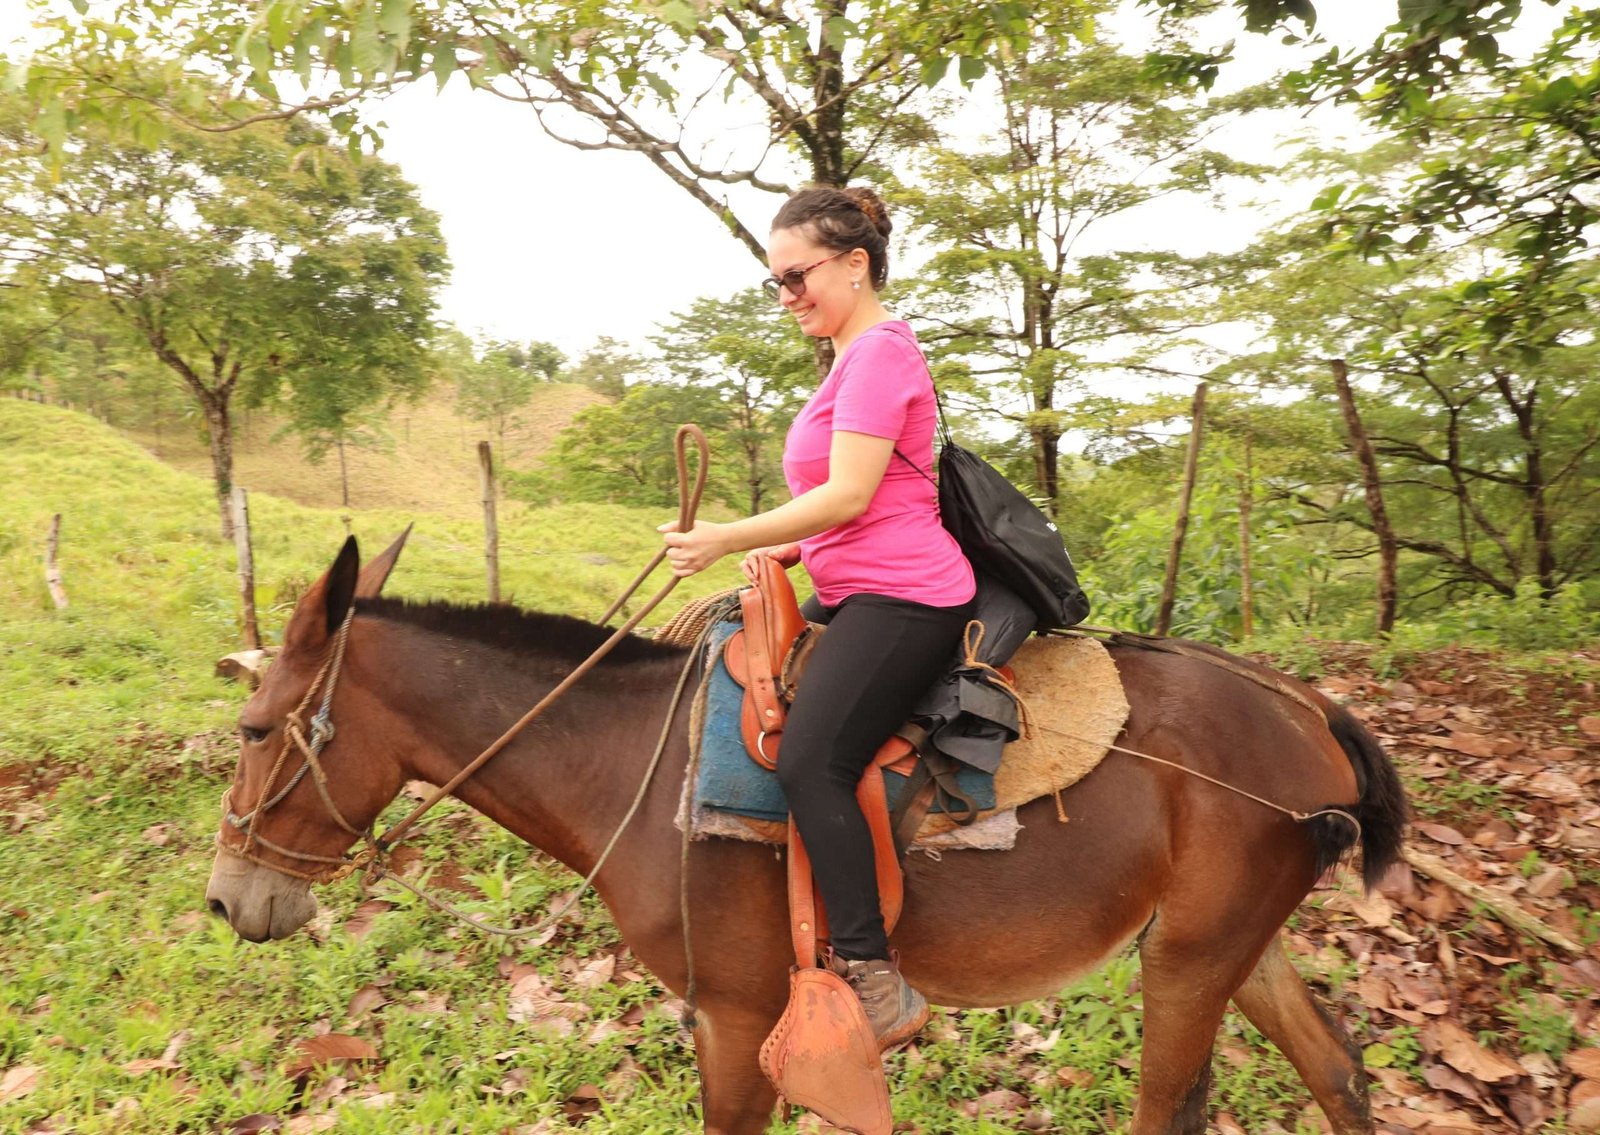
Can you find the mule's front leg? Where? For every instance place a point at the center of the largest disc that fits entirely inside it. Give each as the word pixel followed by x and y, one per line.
pixel 735 1097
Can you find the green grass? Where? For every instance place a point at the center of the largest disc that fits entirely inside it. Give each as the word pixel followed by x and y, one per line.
pixel 106 956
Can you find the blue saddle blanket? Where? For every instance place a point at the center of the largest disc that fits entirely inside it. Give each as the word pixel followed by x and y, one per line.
pixel 730 781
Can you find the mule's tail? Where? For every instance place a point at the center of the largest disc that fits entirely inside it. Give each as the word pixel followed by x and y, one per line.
pixel 1380 806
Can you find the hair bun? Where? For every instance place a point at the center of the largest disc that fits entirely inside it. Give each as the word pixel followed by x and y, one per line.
pixel 872 205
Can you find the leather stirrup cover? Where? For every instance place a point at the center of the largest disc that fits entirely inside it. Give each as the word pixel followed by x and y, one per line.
pixel 822 1055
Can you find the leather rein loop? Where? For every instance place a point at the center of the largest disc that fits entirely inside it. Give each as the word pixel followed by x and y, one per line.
pixel 372 857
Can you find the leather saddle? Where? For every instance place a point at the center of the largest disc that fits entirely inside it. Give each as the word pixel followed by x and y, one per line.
pixel 767 657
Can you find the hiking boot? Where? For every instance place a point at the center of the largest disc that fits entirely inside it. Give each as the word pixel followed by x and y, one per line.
pixel 897 1012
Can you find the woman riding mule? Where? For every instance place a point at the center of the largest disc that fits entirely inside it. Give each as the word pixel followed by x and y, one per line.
pixel 1201 878
pixel 892 584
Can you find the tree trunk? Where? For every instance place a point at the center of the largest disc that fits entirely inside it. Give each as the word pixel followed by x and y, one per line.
pixel 344 476
pixel 1191 463
pixel 1247 623
pixel 219 433
pixel 491 527
pixel 1046 464
pixel 1533 483
pixel 1388 548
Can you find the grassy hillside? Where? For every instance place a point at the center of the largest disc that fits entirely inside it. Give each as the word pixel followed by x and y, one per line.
pixel 428 461
pixel 153 592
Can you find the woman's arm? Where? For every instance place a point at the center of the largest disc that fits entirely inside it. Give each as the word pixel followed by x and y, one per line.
pixel 856 464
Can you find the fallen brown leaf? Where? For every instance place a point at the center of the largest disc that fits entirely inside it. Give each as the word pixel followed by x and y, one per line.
pixel 1457 1048
pixel 333 1048
pixel 19 1081
pixel 365 1000
pixel 1583 1063
pixel 359 924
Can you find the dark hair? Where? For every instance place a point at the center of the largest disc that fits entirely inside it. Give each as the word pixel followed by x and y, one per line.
pixel 841 220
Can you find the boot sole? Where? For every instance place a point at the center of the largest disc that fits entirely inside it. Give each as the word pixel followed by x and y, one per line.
pixel 898 1038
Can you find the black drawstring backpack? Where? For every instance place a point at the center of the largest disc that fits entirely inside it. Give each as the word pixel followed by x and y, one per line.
pixel 1004 534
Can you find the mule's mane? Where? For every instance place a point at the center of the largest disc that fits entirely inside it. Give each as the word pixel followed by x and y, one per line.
pixel 509 627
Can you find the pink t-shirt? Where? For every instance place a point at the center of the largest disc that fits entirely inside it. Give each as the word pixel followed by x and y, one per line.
pixel 897 547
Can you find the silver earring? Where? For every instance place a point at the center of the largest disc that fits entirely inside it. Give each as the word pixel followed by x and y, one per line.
pixel 855 284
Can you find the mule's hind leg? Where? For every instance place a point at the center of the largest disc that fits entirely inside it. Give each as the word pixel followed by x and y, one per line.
pixel 735 1096
pixel 1277 1002
pixel 1186 985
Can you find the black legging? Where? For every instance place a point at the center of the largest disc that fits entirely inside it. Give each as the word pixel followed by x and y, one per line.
pixel 877 659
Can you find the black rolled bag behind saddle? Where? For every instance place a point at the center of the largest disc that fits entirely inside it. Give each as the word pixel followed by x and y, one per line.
pixel 1006 536
pixel 1003 533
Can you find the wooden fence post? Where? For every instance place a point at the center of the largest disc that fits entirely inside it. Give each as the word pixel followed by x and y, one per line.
pixel 1169 586
pixel 1247 622
pixel 491 528
pixel 239 502
pixel 52 571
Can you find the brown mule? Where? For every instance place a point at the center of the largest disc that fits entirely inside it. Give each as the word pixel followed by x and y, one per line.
pixel 1200 878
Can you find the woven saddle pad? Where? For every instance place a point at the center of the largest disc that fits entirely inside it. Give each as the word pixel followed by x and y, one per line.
pixel 1075 706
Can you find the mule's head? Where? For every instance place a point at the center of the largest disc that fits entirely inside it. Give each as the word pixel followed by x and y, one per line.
pixel 261 878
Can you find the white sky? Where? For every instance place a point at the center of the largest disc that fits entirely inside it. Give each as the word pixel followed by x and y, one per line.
pixel 563 245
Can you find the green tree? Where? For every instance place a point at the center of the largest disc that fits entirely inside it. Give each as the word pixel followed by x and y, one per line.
pixel 622 452
pixel 543 360
pixel 493 384
pixel 264 264
pixel 1018 317
pixel 759 365
pixel 606 367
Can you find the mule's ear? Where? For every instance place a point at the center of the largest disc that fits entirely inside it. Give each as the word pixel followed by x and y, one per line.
pixel 375 573
pixel 342 579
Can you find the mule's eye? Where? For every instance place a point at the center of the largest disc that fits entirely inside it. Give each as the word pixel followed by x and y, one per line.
pixel 252 734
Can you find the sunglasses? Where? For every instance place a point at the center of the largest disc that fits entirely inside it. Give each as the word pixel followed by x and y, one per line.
pixel 795 278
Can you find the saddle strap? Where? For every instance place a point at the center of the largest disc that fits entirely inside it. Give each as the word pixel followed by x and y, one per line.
pixel 930 782
pixel 764 713
pixel 808 919
pixel 802 902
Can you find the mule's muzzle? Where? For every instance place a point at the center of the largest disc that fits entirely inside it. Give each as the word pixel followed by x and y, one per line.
pixel 259 903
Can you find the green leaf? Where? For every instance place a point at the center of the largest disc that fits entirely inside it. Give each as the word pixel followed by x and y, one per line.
pixel 280 28
pixel 1416 11
pixel 933 69
pixel 838 30
pixel 259 55
pixel 444 64
pixel 681 14
pixel 366 48
pixel 972 69
pixel 1378 1056
pixel 1328 198
pixel 1484 48
pixel 660 86
pixel 544 52
pixel 51 124
pixel 395 18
